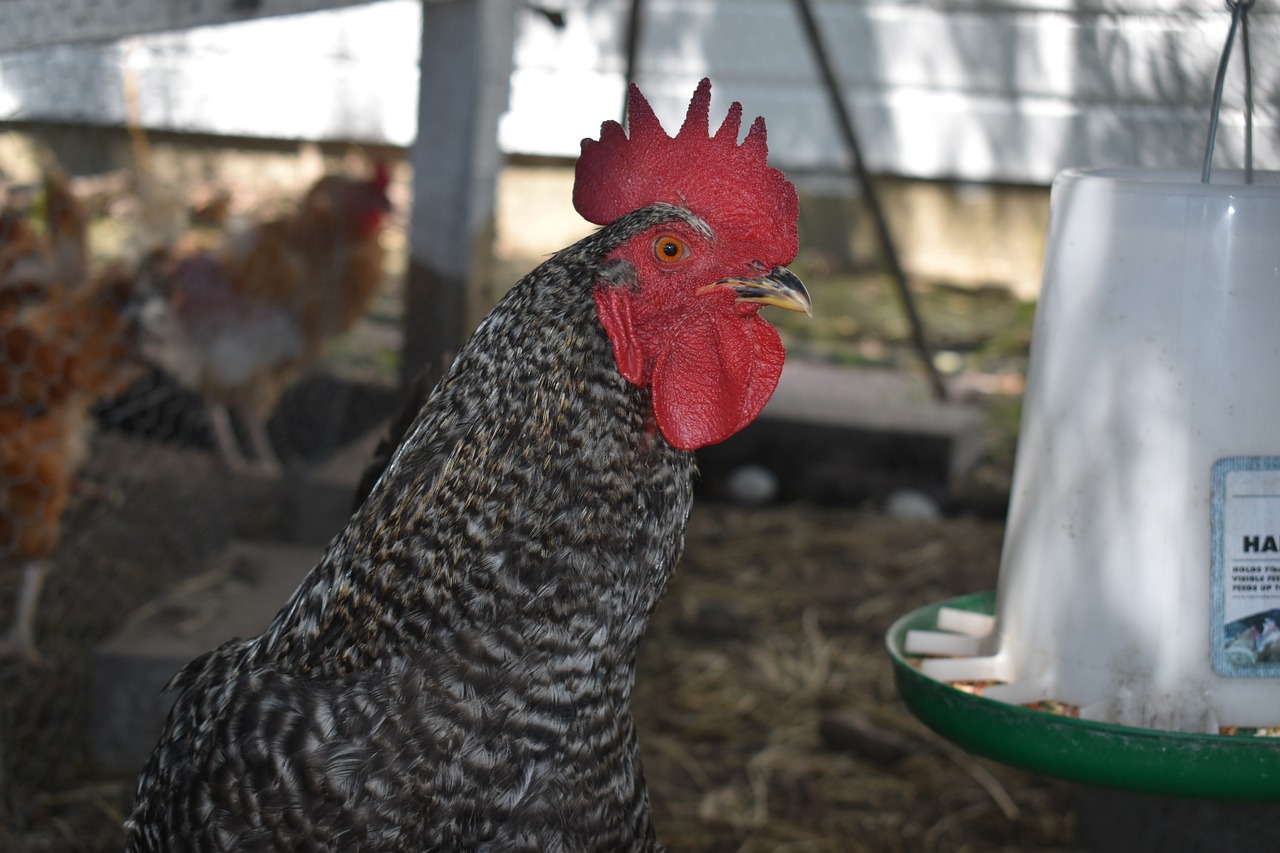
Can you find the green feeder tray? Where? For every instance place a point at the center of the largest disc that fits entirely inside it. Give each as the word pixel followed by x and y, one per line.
pixel 1174 764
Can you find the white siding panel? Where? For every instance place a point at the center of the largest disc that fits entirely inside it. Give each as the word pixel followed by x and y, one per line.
pixel 970 90
pixel 1011 90
pixel 347 74
pixel 26 24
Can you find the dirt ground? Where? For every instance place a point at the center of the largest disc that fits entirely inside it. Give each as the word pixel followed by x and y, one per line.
pixel 768 716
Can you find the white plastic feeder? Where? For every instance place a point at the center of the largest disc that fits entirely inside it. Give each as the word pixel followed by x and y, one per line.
pixel 1139 574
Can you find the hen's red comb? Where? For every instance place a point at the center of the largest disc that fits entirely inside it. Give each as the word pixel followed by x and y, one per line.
pixel 381 174
pixel 729 185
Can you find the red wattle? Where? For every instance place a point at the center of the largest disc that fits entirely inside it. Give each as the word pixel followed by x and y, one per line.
pixel 714 376
pixel 711 376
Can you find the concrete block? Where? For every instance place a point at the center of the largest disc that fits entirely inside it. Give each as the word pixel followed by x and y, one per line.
pixel 319 500
pixel 237 597
pixel 837 434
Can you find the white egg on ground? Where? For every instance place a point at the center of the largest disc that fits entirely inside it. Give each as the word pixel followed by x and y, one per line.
pixel 912 505
pixel 752 485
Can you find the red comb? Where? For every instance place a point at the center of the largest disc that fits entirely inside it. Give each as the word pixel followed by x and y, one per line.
pixel 729 185
pixel 381 174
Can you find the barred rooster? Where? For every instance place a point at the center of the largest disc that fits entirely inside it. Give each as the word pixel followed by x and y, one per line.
pixel 456 672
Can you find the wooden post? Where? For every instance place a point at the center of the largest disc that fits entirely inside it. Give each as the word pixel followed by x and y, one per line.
pixel 465 77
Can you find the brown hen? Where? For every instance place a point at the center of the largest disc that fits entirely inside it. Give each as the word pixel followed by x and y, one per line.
pixel 65 343
pixel 239 323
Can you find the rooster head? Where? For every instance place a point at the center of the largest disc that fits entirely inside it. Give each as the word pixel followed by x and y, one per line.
pixel 684 317
pixel 373 203
pixel 357 206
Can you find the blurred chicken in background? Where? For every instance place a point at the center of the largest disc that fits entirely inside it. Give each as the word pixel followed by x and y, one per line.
pixel 240 321
pixel 66 341
pixel 37 263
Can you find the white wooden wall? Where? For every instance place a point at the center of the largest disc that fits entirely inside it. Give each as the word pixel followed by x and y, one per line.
pixel 1008 90
pixel 33 23
pixel 346 73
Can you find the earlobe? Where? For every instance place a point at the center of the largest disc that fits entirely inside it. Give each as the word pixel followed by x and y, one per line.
pixel 613 305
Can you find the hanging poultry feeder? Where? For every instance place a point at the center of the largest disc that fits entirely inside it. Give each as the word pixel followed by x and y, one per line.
pixel 1139 585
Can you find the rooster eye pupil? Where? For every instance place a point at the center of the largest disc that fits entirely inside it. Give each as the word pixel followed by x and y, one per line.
pixel 669 249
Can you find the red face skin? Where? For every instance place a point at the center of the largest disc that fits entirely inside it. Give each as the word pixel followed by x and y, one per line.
pixel 709 359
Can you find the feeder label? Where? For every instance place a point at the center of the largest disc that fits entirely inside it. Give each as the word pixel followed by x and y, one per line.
pixel 1246 566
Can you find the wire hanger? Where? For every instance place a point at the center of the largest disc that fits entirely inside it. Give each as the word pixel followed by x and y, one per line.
pixel 1239 20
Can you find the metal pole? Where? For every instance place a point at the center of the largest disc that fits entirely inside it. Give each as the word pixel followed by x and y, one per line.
pixel 872 199
pixel 632 47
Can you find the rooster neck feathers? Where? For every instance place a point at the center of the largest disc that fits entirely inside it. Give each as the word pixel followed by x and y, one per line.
pixel 507 500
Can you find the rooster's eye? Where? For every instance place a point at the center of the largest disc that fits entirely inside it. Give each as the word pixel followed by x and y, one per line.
pixel 669 249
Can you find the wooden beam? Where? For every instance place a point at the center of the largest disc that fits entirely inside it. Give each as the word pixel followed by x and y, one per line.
pixel 35 23
pixel 467 50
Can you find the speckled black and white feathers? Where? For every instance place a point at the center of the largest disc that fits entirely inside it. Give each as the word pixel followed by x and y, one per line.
pixel 456 672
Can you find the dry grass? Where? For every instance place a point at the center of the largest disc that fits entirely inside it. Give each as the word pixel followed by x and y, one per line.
pixel 768 650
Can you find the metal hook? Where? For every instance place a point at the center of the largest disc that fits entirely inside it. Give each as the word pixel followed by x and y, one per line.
pixel 1239 19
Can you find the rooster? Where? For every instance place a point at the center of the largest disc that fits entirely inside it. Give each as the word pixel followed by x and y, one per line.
pixel 239 323
pixel 455 673
pixel 1242 650
pixel 1268 642
pixel 65 343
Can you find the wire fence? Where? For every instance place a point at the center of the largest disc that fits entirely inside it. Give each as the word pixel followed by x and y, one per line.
pixel 109 499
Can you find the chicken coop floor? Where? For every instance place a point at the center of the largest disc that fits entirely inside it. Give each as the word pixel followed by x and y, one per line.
pixel 768 704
